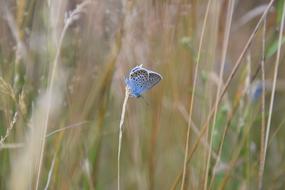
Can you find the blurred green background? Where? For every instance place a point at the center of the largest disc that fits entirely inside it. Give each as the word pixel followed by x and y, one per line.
pixel 62 71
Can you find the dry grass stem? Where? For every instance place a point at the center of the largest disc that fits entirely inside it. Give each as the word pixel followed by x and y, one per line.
pixel 262 131
pixel 74 15
pixel 230 12
pixel 193 95
pixel 50 173
pixel 276 69
pixel 204 126
pixel 75 125
pixel 127 93
pixel 228 81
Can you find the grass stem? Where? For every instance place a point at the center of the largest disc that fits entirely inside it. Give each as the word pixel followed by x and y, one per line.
pixel 127 93
pixel 192 96
pixel 277 62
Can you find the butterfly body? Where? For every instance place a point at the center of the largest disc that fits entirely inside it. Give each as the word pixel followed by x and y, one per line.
pixel 141 80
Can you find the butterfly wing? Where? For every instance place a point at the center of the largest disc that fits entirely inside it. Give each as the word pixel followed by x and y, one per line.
pixel 153 79
pixel 137 81
pixel 141 80
pixel 137 68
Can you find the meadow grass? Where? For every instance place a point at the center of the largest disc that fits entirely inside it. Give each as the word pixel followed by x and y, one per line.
pixel 215 121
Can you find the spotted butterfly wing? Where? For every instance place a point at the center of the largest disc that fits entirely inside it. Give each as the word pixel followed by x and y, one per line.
pixel 153 78
pixel 141 80
pixel 137 81
pixel 139 67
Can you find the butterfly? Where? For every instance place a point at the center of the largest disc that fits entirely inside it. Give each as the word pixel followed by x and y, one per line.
pixel 141 80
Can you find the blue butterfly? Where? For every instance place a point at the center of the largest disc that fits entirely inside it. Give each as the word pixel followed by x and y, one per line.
pixel 140 80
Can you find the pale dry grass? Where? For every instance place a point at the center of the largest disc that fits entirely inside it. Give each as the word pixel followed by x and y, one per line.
pixel 62 69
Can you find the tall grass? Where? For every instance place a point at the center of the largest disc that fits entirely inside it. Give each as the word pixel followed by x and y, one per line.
pixel 121 132
pixel 214 122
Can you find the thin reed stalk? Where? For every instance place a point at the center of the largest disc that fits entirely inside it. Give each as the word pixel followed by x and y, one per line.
pixel 192 96
pixel 50 173
pixel 230 78
pixel 72 17
pixel 223 61
pixel 277 62
pixel 50 90
pixel 262 133
pixel 225 131
pixel 127 93
pixel 236 153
